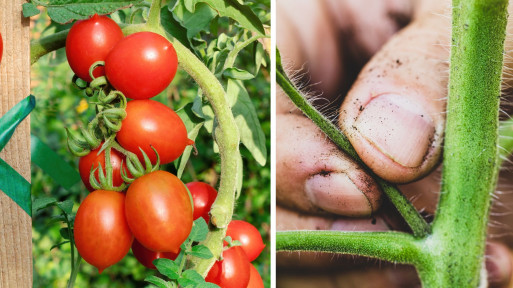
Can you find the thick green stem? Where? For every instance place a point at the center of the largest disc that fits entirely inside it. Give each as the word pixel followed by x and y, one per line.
pixel 417 224
pixel 470 150
pixel 227 138
pixel 46 45
pixel 391 246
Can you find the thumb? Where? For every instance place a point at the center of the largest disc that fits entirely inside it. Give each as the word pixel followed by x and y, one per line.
pixel 394 113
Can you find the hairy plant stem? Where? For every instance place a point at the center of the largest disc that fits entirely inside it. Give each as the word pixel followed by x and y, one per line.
pixel 226 132
pixel 470 150
pixel 417 224
pixel 391 246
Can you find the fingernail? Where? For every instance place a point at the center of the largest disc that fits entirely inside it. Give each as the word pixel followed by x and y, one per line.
pixel 336 193
pixel 498 264
pixel 399 127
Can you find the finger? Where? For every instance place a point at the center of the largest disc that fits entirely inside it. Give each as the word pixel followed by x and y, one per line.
pixel 308 41
pixel 313 175
pixel 394 113
pixel 499 265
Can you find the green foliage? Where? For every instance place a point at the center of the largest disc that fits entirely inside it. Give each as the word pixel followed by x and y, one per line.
pixel 64 11
pixel 174 270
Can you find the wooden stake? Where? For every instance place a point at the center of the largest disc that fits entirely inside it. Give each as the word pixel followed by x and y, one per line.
pixel 15 224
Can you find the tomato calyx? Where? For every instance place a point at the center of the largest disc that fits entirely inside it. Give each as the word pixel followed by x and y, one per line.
pixel 135 166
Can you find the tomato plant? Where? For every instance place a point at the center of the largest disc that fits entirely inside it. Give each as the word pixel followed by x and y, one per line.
pixel 158 208
pixel 101 232
pixel 248 235
pixel 146 256
pixel 141 65
pixel 89 41
pixel 150 123
pixel 231 272
pixel 203 195
pixel 159 211
pixel 93 160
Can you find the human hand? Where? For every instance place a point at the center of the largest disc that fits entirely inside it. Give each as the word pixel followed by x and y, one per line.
pixel 401 91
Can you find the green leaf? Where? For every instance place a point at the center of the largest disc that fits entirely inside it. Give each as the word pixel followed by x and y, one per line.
pixel 52 164
pixel 208 112
pixel 58 245
pixel 201 251
pixel 190 277
pixel 251 133
pixel 41 203
pixel 197 107
pixel 66 206
pixel 63 11
pixel 196 21
pixel 199 230
pixel 173 27
pixel 167 267
pixel 157 282
pixel 13 118
pixel 29 9
pixel 193 125
pixel 240 13
pixel 64 233
pixel 259 56
pixel 236 73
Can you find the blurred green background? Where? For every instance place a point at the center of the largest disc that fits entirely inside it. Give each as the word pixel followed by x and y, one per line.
pixel 60 105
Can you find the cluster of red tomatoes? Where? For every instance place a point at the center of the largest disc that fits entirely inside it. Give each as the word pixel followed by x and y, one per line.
pixel 156 208
pixel 154 216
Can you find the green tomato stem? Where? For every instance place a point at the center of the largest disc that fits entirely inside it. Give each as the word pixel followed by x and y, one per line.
pixel 392 246
pixel 470 149
pixel 74 272
pixel 417 224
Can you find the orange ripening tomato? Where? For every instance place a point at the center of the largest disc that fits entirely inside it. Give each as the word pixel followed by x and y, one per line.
pixel 159 211
pixel 102 235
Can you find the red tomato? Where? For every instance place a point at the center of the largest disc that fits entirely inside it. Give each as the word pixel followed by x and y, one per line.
pixel 231 272
pixel 146 256
pixel 255 280
pixel 142 65
pixel 248 235
pixel 93 158
pixel 152 123
pixel 203 195
pixel 158 211
pixel 102 235
pixel 89 41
